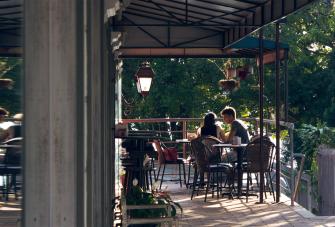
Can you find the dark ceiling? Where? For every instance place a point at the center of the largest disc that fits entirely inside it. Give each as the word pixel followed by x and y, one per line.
pixel 169 24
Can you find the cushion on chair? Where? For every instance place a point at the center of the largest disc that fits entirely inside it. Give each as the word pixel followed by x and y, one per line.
pixel 170 153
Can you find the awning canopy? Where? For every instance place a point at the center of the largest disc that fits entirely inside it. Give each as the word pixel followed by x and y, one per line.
pixel 11 21
pixel 169 27
pixel 194 27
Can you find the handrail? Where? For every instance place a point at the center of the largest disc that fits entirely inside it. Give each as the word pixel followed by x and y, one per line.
pixel 157 120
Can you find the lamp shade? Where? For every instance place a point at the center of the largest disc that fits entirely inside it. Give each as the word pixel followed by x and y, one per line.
pixel 143 78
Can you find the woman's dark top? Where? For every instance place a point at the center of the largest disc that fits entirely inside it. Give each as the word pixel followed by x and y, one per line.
pixel 209 131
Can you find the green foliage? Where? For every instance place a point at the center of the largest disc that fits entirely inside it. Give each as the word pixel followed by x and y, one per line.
pixel 137 196
pixel 10 99
pixel 189 88
pixel 181 88
pixel 310 34
pixel 307 140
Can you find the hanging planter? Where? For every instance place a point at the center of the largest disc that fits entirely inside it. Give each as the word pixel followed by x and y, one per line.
pixel 6 83
pixel 243 72
pixel 229 85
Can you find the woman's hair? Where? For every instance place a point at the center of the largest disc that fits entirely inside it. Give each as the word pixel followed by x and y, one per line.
pixel 209 119
pixel 209 128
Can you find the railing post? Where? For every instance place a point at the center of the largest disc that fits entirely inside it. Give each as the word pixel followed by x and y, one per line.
pixel 301 169
pixel 309 193
pixel 292 168
pixel 184 137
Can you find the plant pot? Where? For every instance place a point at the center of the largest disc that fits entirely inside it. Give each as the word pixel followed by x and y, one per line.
pixel 231 73
pixel 242 74
pixel 6 83
pixel 229 85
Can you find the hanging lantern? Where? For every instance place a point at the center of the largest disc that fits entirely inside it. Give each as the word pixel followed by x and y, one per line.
pixel 143 78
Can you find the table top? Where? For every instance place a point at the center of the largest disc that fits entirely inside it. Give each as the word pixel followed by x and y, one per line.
pixel 228 145
pixel 183 141
pixel 10 146
pixel 137 137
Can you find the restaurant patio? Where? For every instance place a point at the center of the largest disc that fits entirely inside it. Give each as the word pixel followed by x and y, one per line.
pixel 73 55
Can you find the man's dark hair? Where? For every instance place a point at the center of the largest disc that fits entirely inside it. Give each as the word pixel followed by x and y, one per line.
pixel 229 111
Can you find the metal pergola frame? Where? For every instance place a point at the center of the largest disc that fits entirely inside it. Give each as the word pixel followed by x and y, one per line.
pixel 258 48
pixel 217 24
pixel 225 28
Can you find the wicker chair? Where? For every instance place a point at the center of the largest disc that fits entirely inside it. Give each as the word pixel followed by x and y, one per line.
pixel 208 160
pixel 253 164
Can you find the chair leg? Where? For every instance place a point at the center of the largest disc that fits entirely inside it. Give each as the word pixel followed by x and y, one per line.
pixel 184 175
pixel 213 184
pixel 188 174
pixel 271 185
pixel 195 179
pixel 217 184
pixel 147 179
pixel 231 185
pixel 181 184
pixel 8 178
pixel 153 168
pixel 15 187
pixel 159 170
pixel 162 177
pixel 247 191
pixel 208 183
pixel 150 179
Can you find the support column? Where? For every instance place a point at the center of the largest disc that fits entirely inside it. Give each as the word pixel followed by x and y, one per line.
pixel 69 114
pixel 277 114
pixel 286 86
pixel 53 107
pixel 101 115
pixel 261 111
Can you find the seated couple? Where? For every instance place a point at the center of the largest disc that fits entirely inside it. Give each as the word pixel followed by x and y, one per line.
pixel 237 128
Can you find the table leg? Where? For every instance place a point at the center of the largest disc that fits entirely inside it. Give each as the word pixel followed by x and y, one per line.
pixel 239 172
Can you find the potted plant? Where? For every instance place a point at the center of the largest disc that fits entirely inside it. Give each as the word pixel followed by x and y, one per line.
pixel 138 197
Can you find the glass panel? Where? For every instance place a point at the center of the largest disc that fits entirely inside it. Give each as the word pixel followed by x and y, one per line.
pixel 145 83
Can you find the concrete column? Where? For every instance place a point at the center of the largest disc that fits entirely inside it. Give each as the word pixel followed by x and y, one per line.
pixel 53 112
pixel 69 114
pixel 101 115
